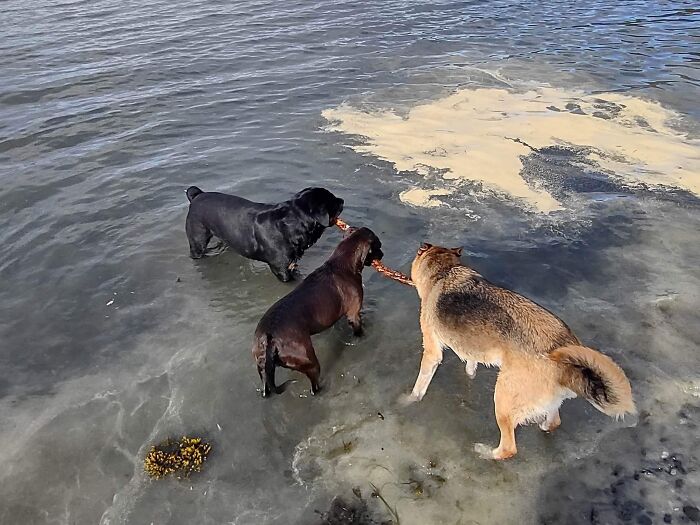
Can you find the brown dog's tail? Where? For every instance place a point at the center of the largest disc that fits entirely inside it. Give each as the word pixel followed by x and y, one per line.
pixel 266 364
pixel 596 378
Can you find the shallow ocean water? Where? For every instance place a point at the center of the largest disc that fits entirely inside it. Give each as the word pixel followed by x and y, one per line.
pixel 113 338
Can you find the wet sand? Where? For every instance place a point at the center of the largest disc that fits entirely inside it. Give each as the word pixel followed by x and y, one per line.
pixel 480 135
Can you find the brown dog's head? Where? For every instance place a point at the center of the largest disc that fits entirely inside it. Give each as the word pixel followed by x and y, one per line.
pixel 320 204
pixel 360 247
pixel 373 250
pixel 430 260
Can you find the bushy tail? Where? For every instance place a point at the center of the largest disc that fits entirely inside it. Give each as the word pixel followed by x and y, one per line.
pixel 192 192
pixel 266 364
pixel 596 378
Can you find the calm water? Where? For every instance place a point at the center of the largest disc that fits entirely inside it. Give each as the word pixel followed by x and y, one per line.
pixel 112 338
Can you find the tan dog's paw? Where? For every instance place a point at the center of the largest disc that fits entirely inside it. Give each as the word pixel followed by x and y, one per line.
pixel 407 399
pixel 487 452
pixel 484 451
pixel 471 367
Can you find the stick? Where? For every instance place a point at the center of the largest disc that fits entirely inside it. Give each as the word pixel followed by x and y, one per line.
pixel 376 264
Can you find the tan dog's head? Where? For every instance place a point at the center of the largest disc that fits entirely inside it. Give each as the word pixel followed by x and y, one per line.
pixel 431 260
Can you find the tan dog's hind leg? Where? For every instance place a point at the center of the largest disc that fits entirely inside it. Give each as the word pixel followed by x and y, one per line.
pixel 552 422
pixel 504 401
pixel 432 357
pixel 471 368
pixel 506 410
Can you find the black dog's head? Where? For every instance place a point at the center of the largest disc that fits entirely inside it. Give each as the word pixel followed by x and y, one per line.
pixel 320 204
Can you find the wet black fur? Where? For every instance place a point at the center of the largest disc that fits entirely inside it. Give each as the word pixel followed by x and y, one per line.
pixel 277 234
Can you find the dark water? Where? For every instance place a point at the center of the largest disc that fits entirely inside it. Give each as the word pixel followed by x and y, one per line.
pixel 111 337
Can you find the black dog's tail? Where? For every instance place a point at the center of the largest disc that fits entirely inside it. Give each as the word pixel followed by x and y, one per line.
pixel 266 364
pixel 192 192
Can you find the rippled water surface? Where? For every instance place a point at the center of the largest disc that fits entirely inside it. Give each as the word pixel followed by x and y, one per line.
pixel 112 338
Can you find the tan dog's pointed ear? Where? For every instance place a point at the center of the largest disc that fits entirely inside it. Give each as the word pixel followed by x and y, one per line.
pixel 423 248
pixel 457 251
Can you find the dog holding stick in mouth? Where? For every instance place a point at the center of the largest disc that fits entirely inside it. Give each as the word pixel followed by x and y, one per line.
pixel 277 234
pixel 333 290
pixel 541 361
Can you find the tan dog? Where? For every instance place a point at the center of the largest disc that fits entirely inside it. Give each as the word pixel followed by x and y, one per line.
pixel 541 360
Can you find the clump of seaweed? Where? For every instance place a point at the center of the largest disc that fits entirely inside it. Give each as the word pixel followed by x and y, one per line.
pixel 181 458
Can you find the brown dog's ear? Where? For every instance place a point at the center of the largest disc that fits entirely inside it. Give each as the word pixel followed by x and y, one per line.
pixel 361 253
pixel 457 251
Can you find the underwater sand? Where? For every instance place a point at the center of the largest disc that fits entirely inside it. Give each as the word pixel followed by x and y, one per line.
pixel 112 338
pixel 481 135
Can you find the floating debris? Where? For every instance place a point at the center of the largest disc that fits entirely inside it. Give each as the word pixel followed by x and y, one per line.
pixel 176 457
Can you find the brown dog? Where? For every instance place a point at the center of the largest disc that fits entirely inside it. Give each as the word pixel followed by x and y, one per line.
pixel 283 335
pixel 541 361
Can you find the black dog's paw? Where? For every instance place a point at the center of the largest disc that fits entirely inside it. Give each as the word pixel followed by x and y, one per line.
pixel 283 273
pixel 217 249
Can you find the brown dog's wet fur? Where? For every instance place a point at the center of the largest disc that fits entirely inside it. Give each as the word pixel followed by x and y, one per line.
pixel 541 361
pixel 333 290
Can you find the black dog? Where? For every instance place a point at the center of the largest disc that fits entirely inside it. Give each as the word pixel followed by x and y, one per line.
pixel 277 234
pixel 283 335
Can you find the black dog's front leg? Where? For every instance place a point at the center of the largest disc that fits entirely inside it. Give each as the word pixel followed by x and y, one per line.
pixel 283 271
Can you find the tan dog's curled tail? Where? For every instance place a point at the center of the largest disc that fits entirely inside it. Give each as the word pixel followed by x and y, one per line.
pixel 596 378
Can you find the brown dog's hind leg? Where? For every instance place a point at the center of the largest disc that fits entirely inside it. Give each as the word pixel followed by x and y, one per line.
pixel 311 368
pixel 300 356
pixel 313 372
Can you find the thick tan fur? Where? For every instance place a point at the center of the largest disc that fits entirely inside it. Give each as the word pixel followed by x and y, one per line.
pixel 541 361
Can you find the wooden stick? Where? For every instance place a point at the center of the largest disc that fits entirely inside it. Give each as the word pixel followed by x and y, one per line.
pixel 377 265
pixel 392 274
